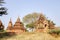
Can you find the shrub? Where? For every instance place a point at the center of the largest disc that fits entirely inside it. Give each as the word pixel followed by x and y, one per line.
pixel 54 31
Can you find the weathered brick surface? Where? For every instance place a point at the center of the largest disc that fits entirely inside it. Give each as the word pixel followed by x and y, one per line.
pixel 17 28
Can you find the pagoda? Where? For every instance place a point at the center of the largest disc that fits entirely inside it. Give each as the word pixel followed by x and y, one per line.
pixel 10 26
pixel 18 24
pixel 1 26
pixel 17 28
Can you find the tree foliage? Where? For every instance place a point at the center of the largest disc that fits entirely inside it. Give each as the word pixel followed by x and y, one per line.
pixel 54 31
pixel 31 25
pixel 30 18
pixel 51 24
pixel 3 10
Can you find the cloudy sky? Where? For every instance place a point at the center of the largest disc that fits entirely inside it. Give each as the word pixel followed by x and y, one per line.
pixel 50 8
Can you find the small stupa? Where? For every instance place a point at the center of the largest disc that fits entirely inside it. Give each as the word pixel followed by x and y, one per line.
pixel 18 24
pixel 1 26
pixel 10 25
pixel 17 28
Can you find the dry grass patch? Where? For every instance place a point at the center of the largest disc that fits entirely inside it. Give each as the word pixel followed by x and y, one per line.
pixel 32 36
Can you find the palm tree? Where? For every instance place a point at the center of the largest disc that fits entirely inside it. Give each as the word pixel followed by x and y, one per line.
pixel 3 10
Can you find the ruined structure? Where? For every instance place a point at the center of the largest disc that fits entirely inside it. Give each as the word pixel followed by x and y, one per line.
pixel 43 24
pixel 1 26
pixel 17 28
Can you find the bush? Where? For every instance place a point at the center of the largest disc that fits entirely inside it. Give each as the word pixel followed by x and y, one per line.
pixel 1 30
pixel 6 34
pixel 54 31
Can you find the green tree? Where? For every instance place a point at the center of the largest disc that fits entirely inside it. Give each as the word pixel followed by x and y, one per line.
pixel 3 10
pixel 51 24
pixel 30 26
pixel 30 18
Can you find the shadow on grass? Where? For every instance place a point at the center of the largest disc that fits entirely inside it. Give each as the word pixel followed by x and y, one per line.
pixel 7 34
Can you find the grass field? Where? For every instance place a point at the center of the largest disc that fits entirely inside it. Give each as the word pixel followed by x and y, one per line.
pixel 32 36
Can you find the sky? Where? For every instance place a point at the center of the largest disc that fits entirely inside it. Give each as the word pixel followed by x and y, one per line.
pixel 50 8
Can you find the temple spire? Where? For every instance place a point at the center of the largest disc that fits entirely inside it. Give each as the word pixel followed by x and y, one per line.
pixel 9 25
pixel 18 19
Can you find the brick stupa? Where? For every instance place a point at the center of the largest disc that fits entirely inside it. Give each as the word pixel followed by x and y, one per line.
pixel 18 25
pixel 17 28
pixel 1 26
pixel 10 25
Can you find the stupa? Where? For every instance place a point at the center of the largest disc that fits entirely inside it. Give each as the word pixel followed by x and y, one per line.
pixel 17 28
pixel 1 26
pixel 10 26
pixel 18 25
